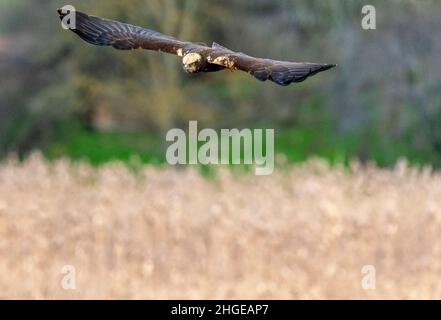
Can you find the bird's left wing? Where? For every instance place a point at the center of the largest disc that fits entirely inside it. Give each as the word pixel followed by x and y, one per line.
pixel 281 72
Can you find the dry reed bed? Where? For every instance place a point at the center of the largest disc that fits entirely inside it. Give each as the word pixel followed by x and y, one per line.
pixel 304 232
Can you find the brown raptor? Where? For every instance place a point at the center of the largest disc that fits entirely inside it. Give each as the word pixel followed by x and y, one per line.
pixel 195 57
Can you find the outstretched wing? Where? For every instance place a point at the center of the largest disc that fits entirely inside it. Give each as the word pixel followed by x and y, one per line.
pixel 123 36
pixel 281 72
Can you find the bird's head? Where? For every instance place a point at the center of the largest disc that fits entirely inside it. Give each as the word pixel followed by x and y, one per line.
pixel 192 62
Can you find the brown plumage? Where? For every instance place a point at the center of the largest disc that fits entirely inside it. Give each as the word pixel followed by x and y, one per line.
pixel 195 57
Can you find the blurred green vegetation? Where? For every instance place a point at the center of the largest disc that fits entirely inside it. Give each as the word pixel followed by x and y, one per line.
pixel 293 145
pixel 99 148
pixel 67 98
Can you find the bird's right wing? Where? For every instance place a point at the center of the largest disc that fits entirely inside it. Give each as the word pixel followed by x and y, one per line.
pixel 123 36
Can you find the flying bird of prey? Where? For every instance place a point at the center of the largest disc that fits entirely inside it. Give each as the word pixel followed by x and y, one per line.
pixel 195 57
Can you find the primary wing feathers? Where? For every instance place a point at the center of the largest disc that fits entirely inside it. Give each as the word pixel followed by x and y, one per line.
pixel 280 72
pixel 123 36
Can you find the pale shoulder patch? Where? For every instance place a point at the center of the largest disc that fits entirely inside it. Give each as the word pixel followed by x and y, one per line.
pixel 225 61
